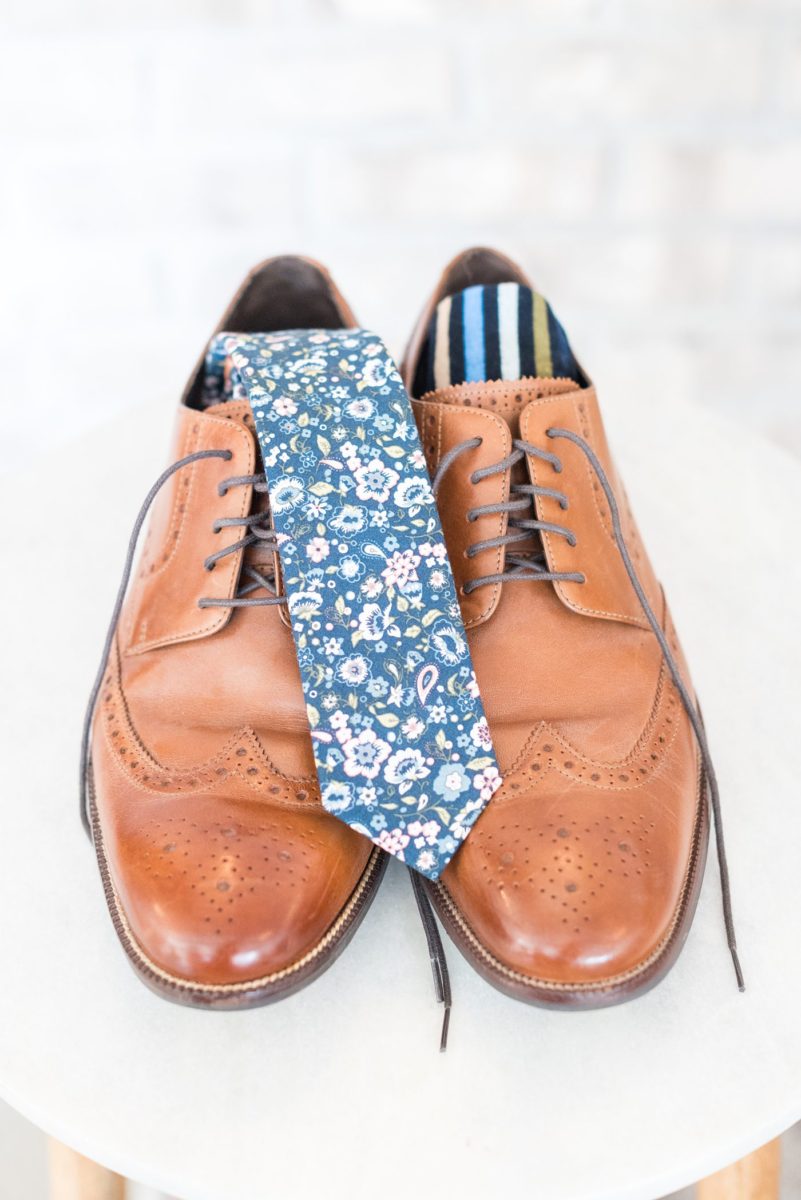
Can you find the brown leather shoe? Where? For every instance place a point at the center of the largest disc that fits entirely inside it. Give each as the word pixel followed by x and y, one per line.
pixel 228 884
pixel 579 882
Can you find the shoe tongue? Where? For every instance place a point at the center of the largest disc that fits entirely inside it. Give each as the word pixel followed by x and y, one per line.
pixel 494 335
pixel 497 347
pixel 507 399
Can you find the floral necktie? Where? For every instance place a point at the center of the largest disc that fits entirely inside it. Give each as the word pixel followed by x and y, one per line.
pixel 401 744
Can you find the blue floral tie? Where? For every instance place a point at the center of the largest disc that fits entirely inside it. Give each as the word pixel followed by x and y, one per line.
pixel 401 744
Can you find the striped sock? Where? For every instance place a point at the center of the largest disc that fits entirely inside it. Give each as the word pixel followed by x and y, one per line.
pixel 497 331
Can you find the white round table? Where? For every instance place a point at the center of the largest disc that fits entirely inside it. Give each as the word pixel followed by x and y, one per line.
pixel 340 1091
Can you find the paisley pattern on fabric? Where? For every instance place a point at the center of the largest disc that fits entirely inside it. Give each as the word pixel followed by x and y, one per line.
pixel 401 743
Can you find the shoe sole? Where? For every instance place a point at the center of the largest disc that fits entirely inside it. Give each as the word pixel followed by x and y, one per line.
pixel 601 993
pixel 249 993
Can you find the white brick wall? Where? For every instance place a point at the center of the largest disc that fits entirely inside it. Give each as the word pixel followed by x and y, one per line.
pixel 643 160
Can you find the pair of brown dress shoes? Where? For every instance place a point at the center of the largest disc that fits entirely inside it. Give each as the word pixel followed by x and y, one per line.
pixel 228 883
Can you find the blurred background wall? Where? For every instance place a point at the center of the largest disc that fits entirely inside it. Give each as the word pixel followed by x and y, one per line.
pixel 642 158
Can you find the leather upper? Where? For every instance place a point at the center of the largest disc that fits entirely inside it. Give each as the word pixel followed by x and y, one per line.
pixel 575 874
pixel 224 863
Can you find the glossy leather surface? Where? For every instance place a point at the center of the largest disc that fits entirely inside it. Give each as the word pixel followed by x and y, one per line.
pixel 222 860
pixel 575 875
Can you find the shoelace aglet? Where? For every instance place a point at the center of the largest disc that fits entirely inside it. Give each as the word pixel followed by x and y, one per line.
pixel 446 1021
pixel 738 970
pixel 436 954
pixel 442 992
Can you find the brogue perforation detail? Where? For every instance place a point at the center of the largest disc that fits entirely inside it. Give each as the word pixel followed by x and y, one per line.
pixel 548 750
pixel 242 759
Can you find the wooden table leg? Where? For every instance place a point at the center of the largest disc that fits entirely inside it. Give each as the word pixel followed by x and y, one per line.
pixel 755 1177
pixel 73 1177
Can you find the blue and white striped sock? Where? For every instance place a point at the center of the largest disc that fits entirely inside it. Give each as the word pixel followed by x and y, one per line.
pixel 494 331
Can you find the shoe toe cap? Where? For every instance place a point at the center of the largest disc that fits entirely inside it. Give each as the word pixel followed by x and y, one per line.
pixel 219 893
pixel 574 894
